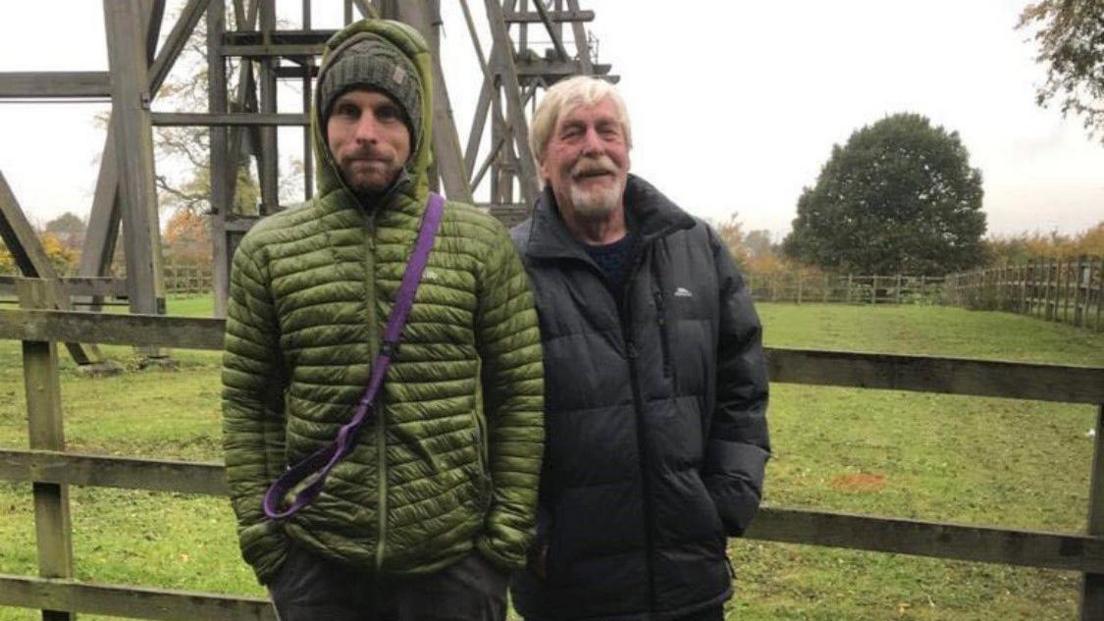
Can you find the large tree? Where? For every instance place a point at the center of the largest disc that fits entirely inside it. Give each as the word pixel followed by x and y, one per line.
pixel 899 197
pixel 1070 36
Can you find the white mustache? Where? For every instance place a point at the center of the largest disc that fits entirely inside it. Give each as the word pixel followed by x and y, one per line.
pixel 601 164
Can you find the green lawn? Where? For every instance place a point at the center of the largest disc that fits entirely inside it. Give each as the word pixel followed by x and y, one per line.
pixel 913 455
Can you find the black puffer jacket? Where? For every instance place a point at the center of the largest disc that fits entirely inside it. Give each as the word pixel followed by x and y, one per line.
pixel 655 415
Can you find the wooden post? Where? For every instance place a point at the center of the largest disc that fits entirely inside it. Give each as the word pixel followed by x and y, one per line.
pixel 1031 293
pixel 1100 295
pixel 1048 312
pixel 53 526
pixel 849 288
pixel 1092 585
pixel 269 166
pixel 898 287
pixel 827 288
pixel 134 156
pixel 800 282
pixel 220 170
pixel 1064 269
pixel 1079 283
pixel 1025 300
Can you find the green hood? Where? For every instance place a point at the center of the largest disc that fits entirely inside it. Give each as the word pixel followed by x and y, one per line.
pixel 415 183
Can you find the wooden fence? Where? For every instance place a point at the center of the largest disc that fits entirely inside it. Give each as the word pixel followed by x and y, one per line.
pixel 178 277
pixel 187 277
pixel 52 469
pixel 846 289
pixel 1069 291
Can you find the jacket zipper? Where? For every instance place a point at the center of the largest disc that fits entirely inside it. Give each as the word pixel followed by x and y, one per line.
pixel 661 319
pixel 380 412
pixel 641 438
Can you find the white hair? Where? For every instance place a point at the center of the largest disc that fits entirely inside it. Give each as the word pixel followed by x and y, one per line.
pixel 565 96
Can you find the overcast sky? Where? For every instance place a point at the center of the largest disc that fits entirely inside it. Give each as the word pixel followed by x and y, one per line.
pixel 735 105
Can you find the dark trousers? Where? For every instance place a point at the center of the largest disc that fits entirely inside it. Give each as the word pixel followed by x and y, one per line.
pixel 709 614
pixel 310 588
pixel 712 614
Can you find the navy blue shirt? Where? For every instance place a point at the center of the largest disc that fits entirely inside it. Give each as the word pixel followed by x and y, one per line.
pixel 613 259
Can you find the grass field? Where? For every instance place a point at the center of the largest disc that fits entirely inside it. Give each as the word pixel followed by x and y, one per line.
pixel 913 455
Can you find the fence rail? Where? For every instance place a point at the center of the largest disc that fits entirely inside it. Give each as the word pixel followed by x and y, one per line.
pixel 1069 291
pixel 52 469
pixel 844 289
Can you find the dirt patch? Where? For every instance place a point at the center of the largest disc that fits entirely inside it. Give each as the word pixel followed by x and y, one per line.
pixel 862 482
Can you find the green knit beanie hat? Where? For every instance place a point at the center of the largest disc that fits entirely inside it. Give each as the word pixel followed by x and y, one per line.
pixel 369 61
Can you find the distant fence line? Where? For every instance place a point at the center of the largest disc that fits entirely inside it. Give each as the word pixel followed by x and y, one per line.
pixel 844 288
pixel 187 277
pixel 1069 291
pixel 178 277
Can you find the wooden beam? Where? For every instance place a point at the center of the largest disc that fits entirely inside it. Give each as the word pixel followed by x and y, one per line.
pixel 297 37
pixel 516 17
pixel 158 475
pixel 448 158
pixel 479 120
pixel 223 166
pixel 154 13
pixel 134 155
pixel 582 45
pixel 297 72
pixel 134 329
pixel 504 63
pixel 174 44
pixel 129 601
pixel 553 31
pixel 170 119
pixel 268 167
pixel 103 222
pixel 950 541
pixel 19 236
pixel 55 84
pixel 78 286
pixel 275 50
pixel 553 70
pixel 32 261
pixel 1013 380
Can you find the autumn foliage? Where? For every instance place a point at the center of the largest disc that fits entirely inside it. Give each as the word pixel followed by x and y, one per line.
pixel 1018 249
pixel 187 237
pixel 62 257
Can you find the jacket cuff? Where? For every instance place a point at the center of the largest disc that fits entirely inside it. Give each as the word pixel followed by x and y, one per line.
pixel 264 547
pixel 507 563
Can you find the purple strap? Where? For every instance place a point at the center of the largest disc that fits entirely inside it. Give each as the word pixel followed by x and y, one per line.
pixel 319 464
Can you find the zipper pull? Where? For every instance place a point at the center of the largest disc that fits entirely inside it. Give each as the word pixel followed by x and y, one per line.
pixel 630 350
pixel 660 315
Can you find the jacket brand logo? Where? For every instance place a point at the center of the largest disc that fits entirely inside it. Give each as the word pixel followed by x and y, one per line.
pixel 683 292
pixel 429 275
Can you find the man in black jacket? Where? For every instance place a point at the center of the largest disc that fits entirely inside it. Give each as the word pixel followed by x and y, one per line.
pixel 655 382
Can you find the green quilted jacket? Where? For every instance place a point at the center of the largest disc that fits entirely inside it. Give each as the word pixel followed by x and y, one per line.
pixel 452 459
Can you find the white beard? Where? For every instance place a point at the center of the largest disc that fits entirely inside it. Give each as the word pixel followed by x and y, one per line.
pixel 596 204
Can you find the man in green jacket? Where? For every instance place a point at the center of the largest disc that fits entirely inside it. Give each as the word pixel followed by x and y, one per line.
pixel 435 505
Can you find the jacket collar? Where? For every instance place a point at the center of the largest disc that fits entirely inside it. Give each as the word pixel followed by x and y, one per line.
pixel 649 214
